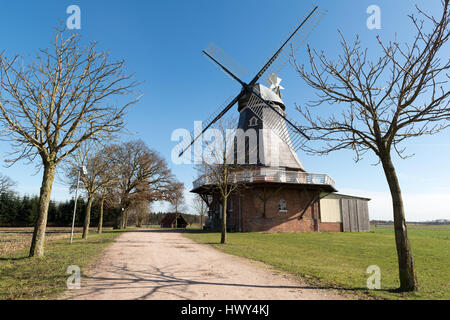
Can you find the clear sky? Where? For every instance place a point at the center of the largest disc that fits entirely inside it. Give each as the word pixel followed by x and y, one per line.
pixel 162 42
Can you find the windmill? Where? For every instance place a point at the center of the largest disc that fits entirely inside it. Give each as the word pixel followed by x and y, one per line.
pixel 276 195
pixel 265 104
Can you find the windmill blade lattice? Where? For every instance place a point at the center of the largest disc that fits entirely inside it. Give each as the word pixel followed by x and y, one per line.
pixel 219 55
pixel 286 129
pixel 209 121
pixel 309 23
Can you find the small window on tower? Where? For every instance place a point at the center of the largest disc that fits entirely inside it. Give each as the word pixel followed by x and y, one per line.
pixel 253 122
pixel 282 205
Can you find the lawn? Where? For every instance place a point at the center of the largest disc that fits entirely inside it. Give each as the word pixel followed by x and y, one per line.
pixel 43 278
pixel 341 259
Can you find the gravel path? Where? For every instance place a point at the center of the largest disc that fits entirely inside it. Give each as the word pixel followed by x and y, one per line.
pixel 157 264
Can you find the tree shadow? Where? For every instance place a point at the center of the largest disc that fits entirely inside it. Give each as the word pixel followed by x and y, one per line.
pixel 149 282
pixel 162 280
pixel 14 258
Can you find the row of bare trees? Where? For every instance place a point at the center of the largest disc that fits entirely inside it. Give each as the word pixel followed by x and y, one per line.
pixel 57 108
pixel 128 175
pixel 52 104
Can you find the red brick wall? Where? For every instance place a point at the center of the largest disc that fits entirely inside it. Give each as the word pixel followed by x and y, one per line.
pixel 330 227
pixel 252 211
pixel 252 208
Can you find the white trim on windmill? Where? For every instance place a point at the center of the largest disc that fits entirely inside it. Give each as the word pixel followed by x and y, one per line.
pixel 253 122
pixel 274 82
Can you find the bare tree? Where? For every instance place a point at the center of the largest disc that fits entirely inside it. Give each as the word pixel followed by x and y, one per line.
pixel 401 95
pixel 6 184
pixel 218 167
pixel 141 211
pixel 142 175
pixel 99 178
pixel 60 99
pixel 106 195
pixel 200 208
pixel 108 184
pixel 177 200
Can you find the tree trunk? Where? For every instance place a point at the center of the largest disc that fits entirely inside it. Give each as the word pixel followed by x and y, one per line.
pixel 125 219
pixel 223 238
pixel 407 269
pixel 118 222
pixel 100 220
pixel 138 221
pixel 38 241
pixel 87 217
pixel 121 219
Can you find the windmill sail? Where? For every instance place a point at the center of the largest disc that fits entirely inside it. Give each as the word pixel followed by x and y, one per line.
pixel 274 118
pixel 215 53
pixel 295 39
pixel 216 115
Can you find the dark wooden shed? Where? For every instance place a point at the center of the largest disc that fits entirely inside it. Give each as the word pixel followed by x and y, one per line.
pixel 355 214
pixel 173 220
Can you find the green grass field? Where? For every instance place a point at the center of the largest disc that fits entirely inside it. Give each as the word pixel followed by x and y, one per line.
pixel 341 259
pixel 43 278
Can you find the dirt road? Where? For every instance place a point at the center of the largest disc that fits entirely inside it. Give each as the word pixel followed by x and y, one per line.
pixel 156 264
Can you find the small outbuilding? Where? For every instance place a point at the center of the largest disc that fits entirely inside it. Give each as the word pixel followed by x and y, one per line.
pixel 174 221
pixel 347 213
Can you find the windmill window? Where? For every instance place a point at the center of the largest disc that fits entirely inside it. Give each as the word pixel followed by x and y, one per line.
pixel 282 205
pixel 253 122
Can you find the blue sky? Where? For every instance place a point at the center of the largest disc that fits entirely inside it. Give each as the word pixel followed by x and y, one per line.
pixel 162 42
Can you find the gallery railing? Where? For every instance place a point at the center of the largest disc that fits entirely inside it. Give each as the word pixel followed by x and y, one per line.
pixel 269 175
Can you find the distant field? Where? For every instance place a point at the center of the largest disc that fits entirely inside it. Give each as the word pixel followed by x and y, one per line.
pixel 413 226
pixel 341 259
pixel 13 239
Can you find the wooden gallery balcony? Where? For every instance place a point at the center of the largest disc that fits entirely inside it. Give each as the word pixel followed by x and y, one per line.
pixel 265 175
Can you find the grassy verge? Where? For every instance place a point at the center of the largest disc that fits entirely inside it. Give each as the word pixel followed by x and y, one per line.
pixel 43 278
pixel 341 259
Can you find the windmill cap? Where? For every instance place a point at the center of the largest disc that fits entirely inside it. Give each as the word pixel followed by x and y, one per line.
pixel 265 93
